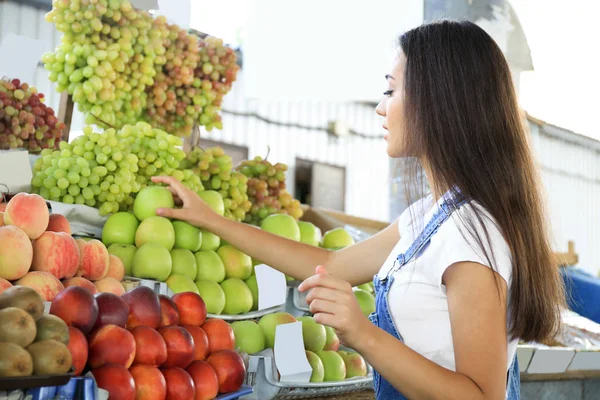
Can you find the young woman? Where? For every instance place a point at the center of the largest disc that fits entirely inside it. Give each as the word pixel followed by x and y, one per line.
pixel 463 273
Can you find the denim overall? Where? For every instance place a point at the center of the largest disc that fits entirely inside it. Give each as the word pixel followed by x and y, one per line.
pixel 383 319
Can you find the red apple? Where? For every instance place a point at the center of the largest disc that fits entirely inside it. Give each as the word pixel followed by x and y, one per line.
pixel 150 346
pixel 180 385
pixel 150 383
pixel 230 370
pixel 112 310
pixel 180 346
pixel 200 341
pixel 192 310
pixel 58 223
pixel 77 307
pixel 220 335
pixel 169 314
pixel 78 346
pixel 205 380
pixel 111 345
pixel 79 281
pixel 144 307
pixel 117 380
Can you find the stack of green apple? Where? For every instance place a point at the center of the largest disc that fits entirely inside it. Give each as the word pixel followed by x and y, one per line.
pixel 321 344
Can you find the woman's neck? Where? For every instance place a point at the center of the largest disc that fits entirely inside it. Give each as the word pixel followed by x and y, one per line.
pixel 436 191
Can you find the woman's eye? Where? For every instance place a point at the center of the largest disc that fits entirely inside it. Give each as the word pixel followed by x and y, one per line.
pixel 388 93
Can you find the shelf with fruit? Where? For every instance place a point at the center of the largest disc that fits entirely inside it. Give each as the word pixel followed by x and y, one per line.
pixel 121 65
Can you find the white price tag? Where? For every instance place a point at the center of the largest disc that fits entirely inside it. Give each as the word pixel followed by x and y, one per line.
pixel 272 287
pixel 177 12
pixel 290 356
pixel 15 63
pixel 15 170
pixel 145 5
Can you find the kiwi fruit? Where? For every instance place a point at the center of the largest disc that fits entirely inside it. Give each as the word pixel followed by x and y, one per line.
pixel 17 326
pixel 25 298
pixel 14 361
pixel 52 327
pixel 50 357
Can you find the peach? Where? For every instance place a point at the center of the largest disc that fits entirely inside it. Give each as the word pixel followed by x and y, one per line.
pixel 58 223
pixel 220 335
pixel 117 380
pixel 200 341
pixel 112 310
pixel 77 307
pixel 205 380
pixel 111 344
pixel 169 314
pixel 180 346
pixel 4 284
pixel 109 285
pixel 151 348
pixel 1 218
pixel 94 260
pixel 144 307
pixel 2 207
pixel 29 212
pixel 192 310
pixel 46 284
pixel 79 281
pixel 230 370
pixel 78 346
pixel 150 384
pixel 116 269
pixel 16 253
pixel 56 253
pixel 180 385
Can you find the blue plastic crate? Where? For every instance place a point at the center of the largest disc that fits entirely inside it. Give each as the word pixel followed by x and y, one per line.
pixel 245 390
pixel 77 388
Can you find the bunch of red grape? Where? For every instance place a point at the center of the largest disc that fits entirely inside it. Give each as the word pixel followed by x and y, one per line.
pixel 25 121
pixel 215 169
pixel 266 190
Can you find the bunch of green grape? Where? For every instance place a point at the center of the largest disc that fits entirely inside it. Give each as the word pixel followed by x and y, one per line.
pixel 215 169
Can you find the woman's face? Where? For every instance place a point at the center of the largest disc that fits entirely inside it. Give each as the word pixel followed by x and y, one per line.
pixel 391 108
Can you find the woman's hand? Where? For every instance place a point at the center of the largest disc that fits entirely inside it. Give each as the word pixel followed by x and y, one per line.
pixel 332 302
pixel 193 210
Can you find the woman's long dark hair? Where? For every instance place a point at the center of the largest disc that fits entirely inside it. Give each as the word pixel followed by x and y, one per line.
pixel 461 116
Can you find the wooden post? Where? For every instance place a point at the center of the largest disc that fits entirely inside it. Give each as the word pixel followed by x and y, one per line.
pixel 65 114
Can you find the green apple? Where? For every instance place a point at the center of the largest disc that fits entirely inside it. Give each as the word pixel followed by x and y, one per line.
pixel 269 322
pixel 187 236
pixel 214 201
pixel 181 283
pixel 318 372
pixel 309 233
pixel 248 336
pixel 149 199
pixel 125 252
pixel 366 301
pixel 334 366
pixel 184 263
pixel 210 266
pixel 337 238
pixel 209 241
pixel 313 334
pixel 366 287
pixel 157 230
pixel 238 298
pixel 213 296
pixel 152 261
pixel 332 342
pixel 253 286
pixel 283 225
pixel 237 264
pixel 355 364
pixel 120 228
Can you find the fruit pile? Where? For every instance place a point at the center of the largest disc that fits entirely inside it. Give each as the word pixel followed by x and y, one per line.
pixel 106 170
pixel 25 121
pixel 215 169
pixel 266 191
pixel 121 66
pixel 31 343
pixel 141 345
pixel 38 251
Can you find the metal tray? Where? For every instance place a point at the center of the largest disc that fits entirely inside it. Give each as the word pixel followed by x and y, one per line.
pixel 34 381
pixel 246 316
pixel 299 300
pixel 262 376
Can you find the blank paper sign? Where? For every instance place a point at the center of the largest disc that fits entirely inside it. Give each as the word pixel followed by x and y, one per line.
pixel 19 57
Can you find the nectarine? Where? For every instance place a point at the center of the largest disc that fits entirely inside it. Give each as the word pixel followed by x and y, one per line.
pixel 180 346
pixel 220 335
pixel 192 309
pixel 111 345
pixel 144 307
pixel 230 370
pixel 200 341
pixel 205 380
pixel 77 307
pixel 112 310
pixel 151 348
pixel 117 380
pixel 180 385
pixel 78 346
pixel 169 314
pixel 150 384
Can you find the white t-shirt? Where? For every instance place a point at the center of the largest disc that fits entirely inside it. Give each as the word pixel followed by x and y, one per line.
pixel 417 299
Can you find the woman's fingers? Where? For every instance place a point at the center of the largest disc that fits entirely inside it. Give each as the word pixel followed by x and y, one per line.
pixel 324 281
pixel 172 183
pixel 323 294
